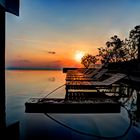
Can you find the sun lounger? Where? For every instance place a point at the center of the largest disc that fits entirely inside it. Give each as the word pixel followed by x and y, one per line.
pixel 95 75
pixel 89 84
pixel 93 89
pixel 90 73
pixel 76 73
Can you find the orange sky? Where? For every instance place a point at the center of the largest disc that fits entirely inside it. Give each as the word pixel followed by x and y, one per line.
pixel 43 54
pixel 51 36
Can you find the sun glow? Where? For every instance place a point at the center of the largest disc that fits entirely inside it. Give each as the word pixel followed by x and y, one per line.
pixel 79 55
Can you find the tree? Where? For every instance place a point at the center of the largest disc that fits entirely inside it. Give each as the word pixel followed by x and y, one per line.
pixel 135 39
pixel 130 49
pixel 88 59
pixel 113 52
pixel 117 50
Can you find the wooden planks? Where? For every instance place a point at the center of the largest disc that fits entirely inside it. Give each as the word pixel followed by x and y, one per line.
pixel 78 101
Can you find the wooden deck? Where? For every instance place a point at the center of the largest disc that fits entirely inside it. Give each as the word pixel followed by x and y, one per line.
pixel 84 94
pixel 81 97
pixel 98 105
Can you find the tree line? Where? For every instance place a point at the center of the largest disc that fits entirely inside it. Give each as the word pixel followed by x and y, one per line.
pixel 116 50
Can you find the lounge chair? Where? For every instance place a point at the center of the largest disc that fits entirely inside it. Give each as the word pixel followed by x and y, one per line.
pixel 94 84
pixel 76 73
pixel 95 75
pixel 90 73
pixel 114 78
pixel 86 89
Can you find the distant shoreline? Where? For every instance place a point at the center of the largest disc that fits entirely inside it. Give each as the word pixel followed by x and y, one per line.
pixel 63 69
pixel 32 69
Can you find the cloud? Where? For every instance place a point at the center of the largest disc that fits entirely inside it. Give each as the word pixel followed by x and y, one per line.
pixel 51 64
pixel 51 52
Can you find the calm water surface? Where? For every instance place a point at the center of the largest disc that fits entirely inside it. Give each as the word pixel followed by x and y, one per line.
pixel 22 85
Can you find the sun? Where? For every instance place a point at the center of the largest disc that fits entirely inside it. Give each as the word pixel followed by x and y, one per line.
pixel 78 56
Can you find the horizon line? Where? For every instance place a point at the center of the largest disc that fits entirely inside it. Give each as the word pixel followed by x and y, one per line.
pixel 29 68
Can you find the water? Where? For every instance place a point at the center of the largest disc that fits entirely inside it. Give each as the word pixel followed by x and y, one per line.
pixel 22 85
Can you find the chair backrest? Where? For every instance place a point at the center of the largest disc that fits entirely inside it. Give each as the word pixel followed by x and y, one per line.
pixel 88 71
pixel 93 72
pixel 113 79
pixel 99 74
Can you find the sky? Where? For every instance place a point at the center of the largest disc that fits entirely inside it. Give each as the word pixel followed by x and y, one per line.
pixel 53 33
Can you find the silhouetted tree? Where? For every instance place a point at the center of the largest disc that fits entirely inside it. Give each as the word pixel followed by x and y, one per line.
pixel 117 50
pixel 130 49
pixel 135 39
pixel 88 59
pixel 113 52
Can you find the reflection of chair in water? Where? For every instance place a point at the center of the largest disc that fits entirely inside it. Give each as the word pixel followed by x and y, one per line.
pixel 81 87
pixel 95 75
